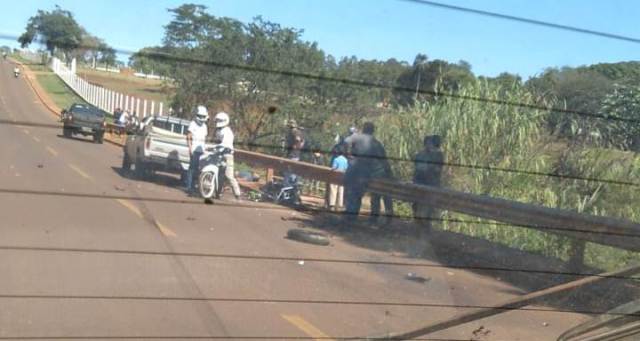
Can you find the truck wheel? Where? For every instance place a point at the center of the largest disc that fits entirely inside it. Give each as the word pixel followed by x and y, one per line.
pixel 66 132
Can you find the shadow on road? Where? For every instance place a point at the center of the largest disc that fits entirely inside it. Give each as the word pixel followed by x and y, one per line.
pixel 158 178
pixel 83 139
pixel 525 271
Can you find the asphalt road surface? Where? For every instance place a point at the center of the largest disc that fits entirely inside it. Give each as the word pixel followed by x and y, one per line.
pixel 81 258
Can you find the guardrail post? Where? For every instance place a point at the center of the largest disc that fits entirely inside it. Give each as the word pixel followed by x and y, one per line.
pixel 269 176
pixel 576 255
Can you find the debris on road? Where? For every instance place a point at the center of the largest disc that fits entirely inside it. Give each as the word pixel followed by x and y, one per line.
pixel 416 278
pixel 191 218
pixel 310 237
pixel 301 262
pixel 480 333
pixel 40 165
pixel 118 188
pixel 545 324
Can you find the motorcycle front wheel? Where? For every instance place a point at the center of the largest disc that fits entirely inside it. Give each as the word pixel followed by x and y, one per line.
pixel 208 184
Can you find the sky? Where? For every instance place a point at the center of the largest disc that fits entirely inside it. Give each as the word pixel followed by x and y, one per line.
pixel 383 29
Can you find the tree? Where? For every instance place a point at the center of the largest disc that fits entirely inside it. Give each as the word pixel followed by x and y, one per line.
pixel 146 61
pixel 580 90
pixel 56 30
pixel 107 54
pixel 431 77
pixel 623 102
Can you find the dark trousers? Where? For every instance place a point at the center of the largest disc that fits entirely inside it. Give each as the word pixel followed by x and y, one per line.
pixel 192 173
pixel 375 206
pixel 355 186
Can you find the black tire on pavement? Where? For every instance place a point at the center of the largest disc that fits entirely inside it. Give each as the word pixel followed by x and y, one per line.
pixel 309 237
pixel 66 132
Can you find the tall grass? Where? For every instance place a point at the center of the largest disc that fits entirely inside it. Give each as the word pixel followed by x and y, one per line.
pixel 509 137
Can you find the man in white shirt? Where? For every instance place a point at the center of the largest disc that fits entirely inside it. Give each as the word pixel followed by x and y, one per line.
pixel 196 137
pixel 224 137
pixel 123 120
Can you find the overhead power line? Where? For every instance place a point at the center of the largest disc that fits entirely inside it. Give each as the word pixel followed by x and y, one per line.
pixel 305 259
pixel 320 302
pixel 303 209
pixel 367 84
pixel 399 159
pixel 526 20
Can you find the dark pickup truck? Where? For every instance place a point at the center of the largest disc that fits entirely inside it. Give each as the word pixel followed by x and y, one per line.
pixel 85 120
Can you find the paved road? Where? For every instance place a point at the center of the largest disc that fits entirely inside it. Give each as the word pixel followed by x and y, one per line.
pixel 52 285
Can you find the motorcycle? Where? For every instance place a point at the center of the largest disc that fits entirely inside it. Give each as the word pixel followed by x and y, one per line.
pixel 212 165
pixel 286 192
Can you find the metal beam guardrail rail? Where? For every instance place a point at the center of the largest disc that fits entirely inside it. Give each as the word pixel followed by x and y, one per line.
pixel 617 233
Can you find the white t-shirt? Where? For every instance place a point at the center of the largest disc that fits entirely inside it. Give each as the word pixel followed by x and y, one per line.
pixel 198 136
pixel 225 136
pixel 124 117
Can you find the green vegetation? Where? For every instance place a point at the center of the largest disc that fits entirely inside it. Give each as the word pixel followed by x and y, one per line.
pixel 59 92
pixel 253 70
pixel 155 90
pixel 508 137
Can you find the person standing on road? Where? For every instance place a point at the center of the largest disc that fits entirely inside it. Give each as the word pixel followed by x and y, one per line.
pixel 336 192
pixel 368 159
pixel 428 171
pixel 224 136
pixel 380 169
pixel 294 143
pixel 196 137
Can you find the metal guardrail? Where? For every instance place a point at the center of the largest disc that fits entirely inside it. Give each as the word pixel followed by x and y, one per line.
pixel 617 233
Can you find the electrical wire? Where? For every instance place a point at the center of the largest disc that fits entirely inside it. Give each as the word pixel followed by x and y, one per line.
pixel 306 209
pixel 320 302
pixel 165 57
pixel 526 20
pixel 306 260
pixel 397 159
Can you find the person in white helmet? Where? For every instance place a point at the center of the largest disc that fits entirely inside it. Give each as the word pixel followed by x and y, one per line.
pixel 224 136
pixel 196 137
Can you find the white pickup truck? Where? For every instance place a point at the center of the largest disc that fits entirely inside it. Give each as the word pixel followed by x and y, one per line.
pixel 159 145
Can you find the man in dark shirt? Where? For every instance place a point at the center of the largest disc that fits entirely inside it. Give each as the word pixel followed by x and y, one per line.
pixel 428 171
pixel 368 159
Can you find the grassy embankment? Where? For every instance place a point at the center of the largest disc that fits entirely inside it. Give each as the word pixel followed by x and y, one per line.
pixel 59 92
pixel 150 89
pixel 514 138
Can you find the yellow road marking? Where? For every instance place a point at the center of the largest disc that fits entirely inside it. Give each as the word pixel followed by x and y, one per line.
pixel 80 171
pixel 131 207
pixel 25 131
pixel 165 230
pixel 306 327
pixel 36 139
pixel 52 151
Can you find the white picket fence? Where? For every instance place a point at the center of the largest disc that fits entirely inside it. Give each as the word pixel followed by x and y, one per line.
pixel 103 98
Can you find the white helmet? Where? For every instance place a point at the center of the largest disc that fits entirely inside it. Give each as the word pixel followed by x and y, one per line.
pixel 222 119
pixel 202 115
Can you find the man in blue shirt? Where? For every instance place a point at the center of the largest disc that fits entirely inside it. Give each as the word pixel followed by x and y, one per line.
pixel 336 192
